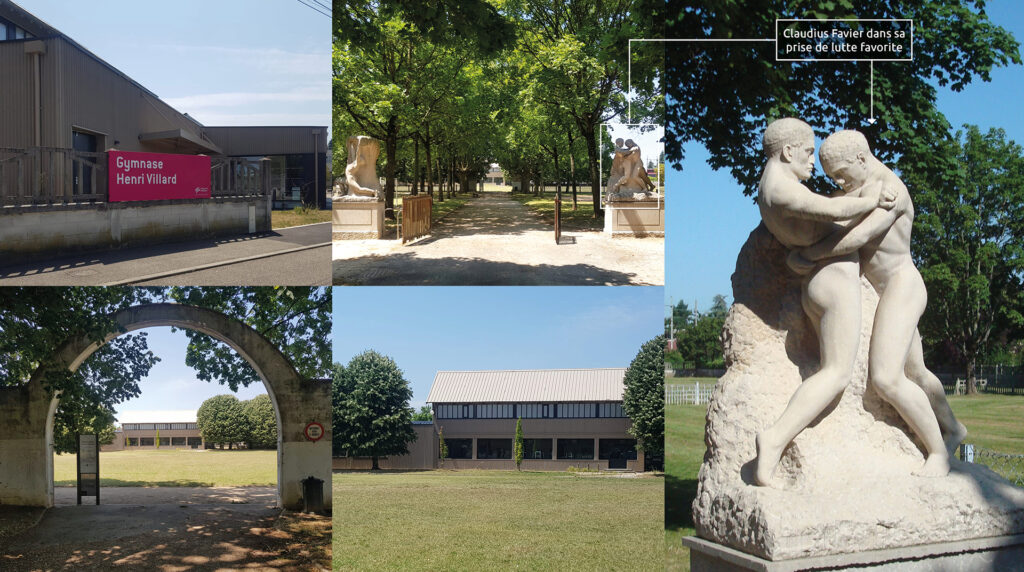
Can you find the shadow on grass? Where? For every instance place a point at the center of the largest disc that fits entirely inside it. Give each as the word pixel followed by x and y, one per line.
pixel 679 496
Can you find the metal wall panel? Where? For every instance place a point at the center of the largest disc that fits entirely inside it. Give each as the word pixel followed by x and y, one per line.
pixel 269 140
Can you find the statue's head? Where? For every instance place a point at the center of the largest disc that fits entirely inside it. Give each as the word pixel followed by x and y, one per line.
pixel 844 157
pixel 792 142
pixel 618 142
pixel 630 143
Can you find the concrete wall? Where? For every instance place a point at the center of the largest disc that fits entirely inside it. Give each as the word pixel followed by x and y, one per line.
pixel 26 233
pixel 26 412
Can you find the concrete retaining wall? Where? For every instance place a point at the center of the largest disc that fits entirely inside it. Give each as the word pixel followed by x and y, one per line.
pixel 32 232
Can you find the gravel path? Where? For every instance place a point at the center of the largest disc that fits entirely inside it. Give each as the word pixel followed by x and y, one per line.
pixel 495 240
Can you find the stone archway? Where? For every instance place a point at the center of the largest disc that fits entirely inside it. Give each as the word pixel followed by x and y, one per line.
pixel 27 411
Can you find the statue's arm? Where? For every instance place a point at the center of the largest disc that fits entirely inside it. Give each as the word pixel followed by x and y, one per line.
pixel 800 202
pixel 855 236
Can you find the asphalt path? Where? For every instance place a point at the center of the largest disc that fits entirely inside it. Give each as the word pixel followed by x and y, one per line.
pixel 295 256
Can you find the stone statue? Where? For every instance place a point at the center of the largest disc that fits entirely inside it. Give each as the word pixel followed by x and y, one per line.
pixel 361 181
pixel 627 179
pixel 826 397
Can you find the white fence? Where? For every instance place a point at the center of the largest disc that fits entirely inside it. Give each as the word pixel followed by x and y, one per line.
pixel 696 394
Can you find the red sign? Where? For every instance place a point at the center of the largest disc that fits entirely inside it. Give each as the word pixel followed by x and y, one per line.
pixel 314 431
pixel 156 176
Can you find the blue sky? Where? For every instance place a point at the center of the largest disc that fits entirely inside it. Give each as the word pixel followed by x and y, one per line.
pixel 224 62
pixel 426 329
pixel 708 218
pixel 172 385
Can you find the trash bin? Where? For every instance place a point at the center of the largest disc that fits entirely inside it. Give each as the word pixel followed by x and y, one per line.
pixel 313 494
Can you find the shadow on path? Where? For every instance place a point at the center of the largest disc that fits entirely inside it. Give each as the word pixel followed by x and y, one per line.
pixel 407 269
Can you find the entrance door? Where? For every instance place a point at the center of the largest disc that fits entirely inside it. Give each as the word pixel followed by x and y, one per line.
pixel 617 462
pixel 87 143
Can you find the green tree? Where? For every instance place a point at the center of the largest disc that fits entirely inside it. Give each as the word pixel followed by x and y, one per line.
pixel 262 422
pixel 99 423
pixel 517 445
pixel 372 417
pixel 681 316
pixel 644 398
pixel 700 344
pixel 969 245
pixel 222 420
pixel 424 414
pixel 442 447
pixel 296 320
pixel 954 42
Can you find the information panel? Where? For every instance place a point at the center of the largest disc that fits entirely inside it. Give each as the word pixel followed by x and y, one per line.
pixel 157 176
pixel 88 467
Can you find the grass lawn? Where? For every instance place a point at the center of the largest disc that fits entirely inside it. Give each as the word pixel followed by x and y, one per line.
pixel 492 520
pixel 175 468
pixel 544 205
pixel 298 216
pixel 993 422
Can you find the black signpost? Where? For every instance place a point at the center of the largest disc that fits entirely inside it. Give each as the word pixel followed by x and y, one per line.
pixel 88 467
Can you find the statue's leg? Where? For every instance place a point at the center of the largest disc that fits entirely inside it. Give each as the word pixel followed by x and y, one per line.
pixel 953 432
pixel 900 306
pixel 832 301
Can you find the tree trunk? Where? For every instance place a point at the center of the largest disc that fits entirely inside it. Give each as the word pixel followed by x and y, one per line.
pixel 595 177
pixel 558 174
pixel 391 152
pixel 416 166
pixel 430 163
pixel 440 182
pixel 572 167
pixel 972 382
pixel 524 182
pixel 376 466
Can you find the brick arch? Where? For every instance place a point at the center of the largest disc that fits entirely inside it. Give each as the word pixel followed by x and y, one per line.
pixel 297 401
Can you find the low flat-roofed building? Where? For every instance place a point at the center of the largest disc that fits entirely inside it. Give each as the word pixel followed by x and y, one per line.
pixel 156 429
pixel 570 418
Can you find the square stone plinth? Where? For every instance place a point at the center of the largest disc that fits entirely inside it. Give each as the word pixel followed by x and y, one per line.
pixel 1001 553
pixel 358 219
pixel 635 218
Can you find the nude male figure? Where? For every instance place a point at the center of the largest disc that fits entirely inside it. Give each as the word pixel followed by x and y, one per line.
pixel 628 162
pixel 830 291
pixel 896 364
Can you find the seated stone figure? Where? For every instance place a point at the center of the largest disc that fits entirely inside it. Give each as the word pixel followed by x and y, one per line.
pixel 361 181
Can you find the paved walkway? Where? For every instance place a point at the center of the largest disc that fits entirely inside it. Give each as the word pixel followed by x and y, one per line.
pixel 495 240
pixel 160 264
pixel 167 528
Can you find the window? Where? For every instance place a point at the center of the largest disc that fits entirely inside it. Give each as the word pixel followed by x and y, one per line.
pixel 145 426
pixel 611 410
pixel 494 448
pixel 459 448
pixel 532 410
pixel 9 31
pixel 195 442
pixel 177 441
pixel 145 441
pixel 495 411
pixel 165 441
pixel 133 442
pixel 130 427
pixel 575 448
pixel 449 411
pixel 573 410
pixel 537 448
pixel 617 449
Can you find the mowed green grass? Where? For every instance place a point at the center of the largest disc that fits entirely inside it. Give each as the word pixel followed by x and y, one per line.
pixel 993 422
pixel 175 468
pixel 496 520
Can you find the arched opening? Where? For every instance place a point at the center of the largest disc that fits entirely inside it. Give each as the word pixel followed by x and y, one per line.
pixel 297 403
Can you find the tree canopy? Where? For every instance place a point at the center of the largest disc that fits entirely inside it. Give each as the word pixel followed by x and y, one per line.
pixel 222 421
pixel 644 399
pixel 370 399
pixel 954 43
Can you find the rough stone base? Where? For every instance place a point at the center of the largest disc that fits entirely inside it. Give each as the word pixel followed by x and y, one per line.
pixel 636 218
pixel 358 219
pixel 1002 553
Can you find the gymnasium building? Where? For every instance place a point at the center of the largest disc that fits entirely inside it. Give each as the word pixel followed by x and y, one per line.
pixel 156 429
pixel 570 418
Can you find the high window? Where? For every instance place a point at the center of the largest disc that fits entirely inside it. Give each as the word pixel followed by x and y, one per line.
pixel 495 411
pixel 574 410
pixel 611 410
pixel 10 31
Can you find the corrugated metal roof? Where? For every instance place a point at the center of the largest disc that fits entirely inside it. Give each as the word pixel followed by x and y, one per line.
pixel 525 386
pixel 177 416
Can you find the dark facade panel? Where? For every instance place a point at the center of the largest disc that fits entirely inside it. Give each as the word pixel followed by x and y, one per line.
pixel 244 141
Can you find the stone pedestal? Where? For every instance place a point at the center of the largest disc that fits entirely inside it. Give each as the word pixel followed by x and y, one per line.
pixel 845 483
pixel 358 219
pixel 635 218
pixel 998 554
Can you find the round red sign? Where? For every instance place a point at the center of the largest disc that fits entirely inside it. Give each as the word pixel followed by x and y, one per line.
pixel 314 431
